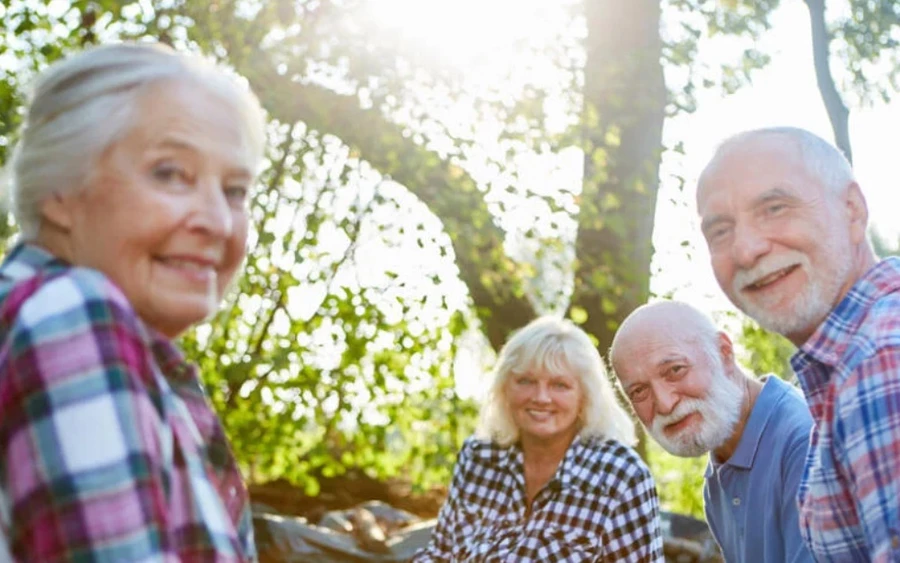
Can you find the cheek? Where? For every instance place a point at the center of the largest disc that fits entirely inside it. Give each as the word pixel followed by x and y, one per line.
pixel 644 412
pixel 723 271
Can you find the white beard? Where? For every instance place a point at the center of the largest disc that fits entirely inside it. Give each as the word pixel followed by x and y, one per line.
pixel 809 306
pixel 719 411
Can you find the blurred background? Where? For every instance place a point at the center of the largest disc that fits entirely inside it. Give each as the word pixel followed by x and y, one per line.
pixel 439 172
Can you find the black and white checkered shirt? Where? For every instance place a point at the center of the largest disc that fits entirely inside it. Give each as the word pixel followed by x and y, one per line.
pixel 600 506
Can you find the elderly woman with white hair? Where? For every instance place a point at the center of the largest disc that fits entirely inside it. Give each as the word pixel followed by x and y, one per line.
pixel 130 183
pixel 550 474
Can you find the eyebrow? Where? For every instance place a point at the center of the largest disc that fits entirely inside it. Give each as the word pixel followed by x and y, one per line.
pixel 671 359
pixel 778 192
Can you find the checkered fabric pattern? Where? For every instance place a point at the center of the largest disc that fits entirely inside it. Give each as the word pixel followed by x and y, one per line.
pixel 109 450
pixel 850 373
pixel 601 506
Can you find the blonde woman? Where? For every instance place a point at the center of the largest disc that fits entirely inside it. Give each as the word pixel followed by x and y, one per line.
pixel 550 474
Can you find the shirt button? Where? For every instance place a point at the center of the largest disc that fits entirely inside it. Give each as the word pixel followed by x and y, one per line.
pixel 736 501
pixel 232 491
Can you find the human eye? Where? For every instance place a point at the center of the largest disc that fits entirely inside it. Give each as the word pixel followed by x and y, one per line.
pixel 774 208
pixel 524 380
pixel 638 393
pixel 560 385
pixel 168 172
pixel 236 194
pixel 676 371
pixel 717 233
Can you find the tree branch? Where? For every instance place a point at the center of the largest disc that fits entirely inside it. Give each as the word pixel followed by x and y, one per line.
pixel 492 278
pixel 838 113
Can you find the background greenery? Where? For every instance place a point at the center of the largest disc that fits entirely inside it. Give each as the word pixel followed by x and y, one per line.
pixel 390 234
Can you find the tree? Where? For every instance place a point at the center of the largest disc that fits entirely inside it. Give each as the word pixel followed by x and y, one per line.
pixel 327 358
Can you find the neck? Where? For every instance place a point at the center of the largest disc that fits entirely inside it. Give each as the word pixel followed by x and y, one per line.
pixel 545 452
pixel 55 241
pixel 863 259
pixel 751 388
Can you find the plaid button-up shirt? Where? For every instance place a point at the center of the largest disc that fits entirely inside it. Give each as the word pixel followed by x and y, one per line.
pixel 850 373
pixel 601 506
pixel 109 450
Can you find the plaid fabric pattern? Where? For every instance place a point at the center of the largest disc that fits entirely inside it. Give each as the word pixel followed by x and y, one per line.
pixel 850 372
pixel 600 506
pixel 109 450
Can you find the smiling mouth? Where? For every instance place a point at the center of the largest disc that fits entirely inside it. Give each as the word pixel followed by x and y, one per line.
pixel 679 425
pixel 765 281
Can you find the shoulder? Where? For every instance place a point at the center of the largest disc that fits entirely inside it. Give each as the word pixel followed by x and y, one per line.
pixel 869 365
pixel 71 323
pixel 477 451
pixel 67 294
pixel 789 409
pixel 878 332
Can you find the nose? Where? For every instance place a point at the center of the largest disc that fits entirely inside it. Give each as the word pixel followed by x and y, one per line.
pixel 665 400
pixel 749 245
pixel 212 214
pixel 542 395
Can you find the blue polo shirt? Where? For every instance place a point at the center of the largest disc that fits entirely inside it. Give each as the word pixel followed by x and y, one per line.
pixel 751 499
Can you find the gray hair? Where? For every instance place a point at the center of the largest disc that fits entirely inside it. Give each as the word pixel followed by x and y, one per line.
pixel 557 346
pixel 821 159
pixel 81 105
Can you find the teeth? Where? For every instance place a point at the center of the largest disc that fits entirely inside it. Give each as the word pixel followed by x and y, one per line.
pixel 770 278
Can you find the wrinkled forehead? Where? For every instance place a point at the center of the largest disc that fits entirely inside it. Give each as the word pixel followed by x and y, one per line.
pixel 742 165
pixel 182 114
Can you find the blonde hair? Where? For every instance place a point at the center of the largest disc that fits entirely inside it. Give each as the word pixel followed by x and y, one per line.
pixel 557 346
pixel 81 105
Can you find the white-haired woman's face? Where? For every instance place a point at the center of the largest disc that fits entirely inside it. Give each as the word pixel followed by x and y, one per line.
pixel 164 212
pixel 544 406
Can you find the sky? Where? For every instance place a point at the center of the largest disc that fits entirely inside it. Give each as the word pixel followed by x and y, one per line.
pixel 783 93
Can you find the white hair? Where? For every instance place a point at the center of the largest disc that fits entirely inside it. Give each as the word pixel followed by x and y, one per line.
pixel 820 158
pixel 81 105
pixel 557 346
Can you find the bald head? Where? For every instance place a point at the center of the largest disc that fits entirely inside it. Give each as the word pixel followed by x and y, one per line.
pixel 664 320
pixel 679 375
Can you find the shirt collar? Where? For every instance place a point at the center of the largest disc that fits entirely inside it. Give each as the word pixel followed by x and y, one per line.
pixel 512 459
pixel 748 446
pixel 831 339
pixel 26 260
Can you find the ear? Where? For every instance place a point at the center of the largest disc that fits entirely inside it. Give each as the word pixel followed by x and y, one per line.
pixel 58 211
pixel 857 213
pixel 726 349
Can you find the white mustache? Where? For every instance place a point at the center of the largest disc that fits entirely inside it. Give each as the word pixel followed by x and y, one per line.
pixel 684 408
pixel 767 266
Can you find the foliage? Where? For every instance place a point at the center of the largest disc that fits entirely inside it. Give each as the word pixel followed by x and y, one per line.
pixel 679 481
pixel 397 220
pixel 765 352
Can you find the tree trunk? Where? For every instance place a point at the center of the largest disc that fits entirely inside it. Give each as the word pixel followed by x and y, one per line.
pixel 838 113
pixel 624 109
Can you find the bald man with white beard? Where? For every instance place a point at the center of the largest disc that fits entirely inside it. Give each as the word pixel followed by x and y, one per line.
pixel 680 376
